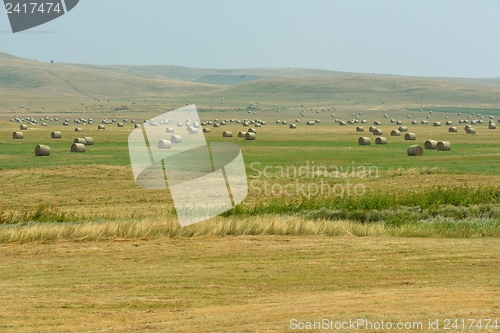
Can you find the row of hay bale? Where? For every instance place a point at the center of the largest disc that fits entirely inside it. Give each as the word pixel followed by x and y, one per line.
pixel 78 146
pixel 250 135
pixel 167 144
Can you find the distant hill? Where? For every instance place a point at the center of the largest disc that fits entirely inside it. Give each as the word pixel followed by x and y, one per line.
pixel 23 80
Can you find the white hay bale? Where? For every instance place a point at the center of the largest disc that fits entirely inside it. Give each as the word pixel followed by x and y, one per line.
pixel 176 139
pixel 415 150
pixel 42 150
pixel 364 141
pixel 381 140
pixel 56 135
pixel 443 146
pixel 430 144
pixel 164 144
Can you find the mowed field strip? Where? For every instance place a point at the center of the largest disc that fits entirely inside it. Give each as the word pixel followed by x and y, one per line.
pixel 245 284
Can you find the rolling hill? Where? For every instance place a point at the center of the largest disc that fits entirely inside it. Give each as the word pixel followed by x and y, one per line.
pixel 28 81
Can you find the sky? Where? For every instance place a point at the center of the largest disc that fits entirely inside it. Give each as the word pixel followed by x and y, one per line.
pixel 445 38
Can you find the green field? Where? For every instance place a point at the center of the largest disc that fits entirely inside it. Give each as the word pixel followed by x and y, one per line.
pixel 394 237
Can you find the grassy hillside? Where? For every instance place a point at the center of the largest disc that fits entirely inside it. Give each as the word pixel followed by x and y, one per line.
pixel 369 90
pixel 24 80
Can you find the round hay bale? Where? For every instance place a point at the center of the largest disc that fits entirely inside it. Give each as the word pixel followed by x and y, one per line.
pixel 241 134
pixel 164 144
pixel 169 130
pixel 56 135
pixel 250 136
pixel 377 131
pixel 216 125
pixel 78 129
pixel 80 140
pixel 430 144
pixel 317 121
pixel 176 139
pixel 449 123
pixel 470 130
pixel 137 126
pixel 78 148
pixel 206 130
pixel 180 124
pixel 310 123
pixel 395 133
pixel 403 128
pixel 424 122
pixel 492 126
pixel 410 136
pixel 42 150
pixel 376 122
pixel 381 140
pixel 414 122
pixel 227 134
pixel 192 130
pixel 443 146
pixel 399 122
pixel 436 124
pixel 284 122
pixel 120 125
pixel 252 130
pixel 364 141
pixel 371 129
pixel 101 127
pixel 18 135
pixel 292 126
pixel 360 129
pixel 452 129
pixel 415 150
pixel 89 141
pixel 23 127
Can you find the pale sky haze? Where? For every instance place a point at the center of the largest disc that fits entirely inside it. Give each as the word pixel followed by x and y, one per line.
pixel 454 38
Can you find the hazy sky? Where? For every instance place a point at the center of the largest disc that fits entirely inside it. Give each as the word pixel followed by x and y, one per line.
pixel 421 37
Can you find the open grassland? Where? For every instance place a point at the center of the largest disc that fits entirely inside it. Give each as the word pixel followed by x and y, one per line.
pixel 246 284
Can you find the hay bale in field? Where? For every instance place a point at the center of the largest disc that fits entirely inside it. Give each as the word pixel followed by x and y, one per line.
pixel 42 150
pixel 206 130
pixel 179 124
pixel 371 129
pixel 410 136
pixel 399 122
pixel 430 144
pixel 377 131
pixel 437 124
pixel 424 122
pixel 317 121
pixel 227 134
pixel 56 135
pixel 65 124
pixel 292 126
pixel 252 130
pixel 258 125
pixel 360 129
pixel 164 144
pixel 449 123
pixel 169 130
pixel 101 127
pixel 78 148
pixel 453 129
pixel 470 130
pixel 395 133
pixel 414 122
pixel 403 128
pixel 89 141
pixel 381 140
pixel 241 134
pixel 415 150
pixel 443 146
pixel 18 135
pixel 250 136
pixel 364 141
pixel 310 123
pixel 176 139
pixel 215 125
pixel 23 127
pixel 137 125
pixel 376 122
pixel 78 129
pixel 80 140
pixel 492 126
pixel 192 130
pixel 284 122
pixel 341 123
pixel 120 125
